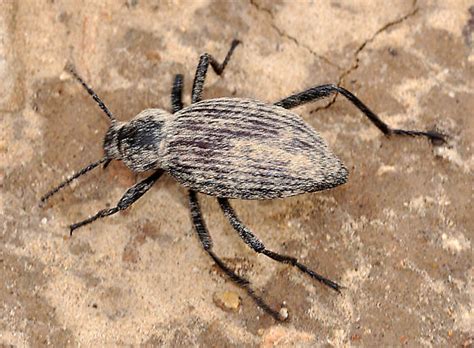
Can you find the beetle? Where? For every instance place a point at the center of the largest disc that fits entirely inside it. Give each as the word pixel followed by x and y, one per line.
pixel 229 148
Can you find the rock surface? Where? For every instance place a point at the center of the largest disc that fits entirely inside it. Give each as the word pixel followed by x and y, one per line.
pixel 398 236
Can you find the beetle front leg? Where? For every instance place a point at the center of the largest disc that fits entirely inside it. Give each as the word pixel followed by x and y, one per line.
pixel 323 91
pixel 251 240
pixel 201 70
pixel 130 197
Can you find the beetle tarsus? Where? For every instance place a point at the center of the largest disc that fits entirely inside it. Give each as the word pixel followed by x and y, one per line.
pixel 435 137
pixel 328 282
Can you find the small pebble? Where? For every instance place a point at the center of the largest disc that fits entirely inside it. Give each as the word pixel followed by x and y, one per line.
pixel 64 76
pixel 44 221
pixel 283 313
pixel 227 300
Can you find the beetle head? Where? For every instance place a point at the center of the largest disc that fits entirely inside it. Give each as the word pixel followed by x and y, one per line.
pixel 137 142
pixel 111 142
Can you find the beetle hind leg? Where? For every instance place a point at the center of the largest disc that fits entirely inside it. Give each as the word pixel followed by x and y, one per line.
pixel 250 239
pixel 207 244
pixel 323 91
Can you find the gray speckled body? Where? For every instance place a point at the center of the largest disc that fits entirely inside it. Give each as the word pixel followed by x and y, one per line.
pixel 243 148
pixel 232 148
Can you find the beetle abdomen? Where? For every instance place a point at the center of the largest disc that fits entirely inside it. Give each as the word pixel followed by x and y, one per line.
pixel 243 148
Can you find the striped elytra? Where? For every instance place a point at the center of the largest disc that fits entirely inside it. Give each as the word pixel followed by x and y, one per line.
pixel 246 149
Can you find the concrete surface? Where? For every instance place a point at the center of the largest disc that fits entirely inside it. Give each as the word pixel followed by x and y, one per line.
pixel 398 236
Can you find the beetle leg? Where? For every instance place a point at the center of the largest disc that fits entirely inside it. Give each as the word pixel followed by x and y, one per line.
pixel 207 244
pixel 177 93
pixel 201 70
pixel 130 197
pixel 323 91
pixel 250 239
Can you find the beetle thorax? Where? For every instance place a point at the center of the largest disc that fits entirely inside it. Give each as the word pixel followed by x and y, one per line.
pixel 137 142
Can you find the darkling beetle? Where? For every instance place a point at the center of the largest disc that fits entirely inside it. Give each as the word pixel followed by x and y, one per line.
pixel 228 148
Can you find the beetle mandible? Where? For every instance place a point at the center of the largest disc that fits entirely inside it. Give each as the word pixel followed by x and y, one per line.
pixel 228 148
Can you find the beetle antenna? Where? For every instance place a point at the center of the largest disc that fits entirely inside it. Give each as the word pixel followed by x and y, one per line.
pixel 89 90
pixel 73 177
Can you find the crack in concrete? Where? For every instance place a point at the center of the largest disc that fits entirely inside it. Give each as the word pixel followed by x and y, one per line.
pixel 356 60
pixel 355 63
pixel 356 55
pixel 292 38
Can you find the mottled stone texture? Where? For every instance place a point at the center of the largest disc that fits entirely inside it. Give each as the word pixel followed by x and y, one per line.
pixel 398 235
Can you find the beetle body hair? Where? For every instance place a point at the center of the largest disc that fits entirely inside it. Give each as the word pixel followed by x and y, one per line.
pixel 247 149
pixel 137 142
pixel 229 148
